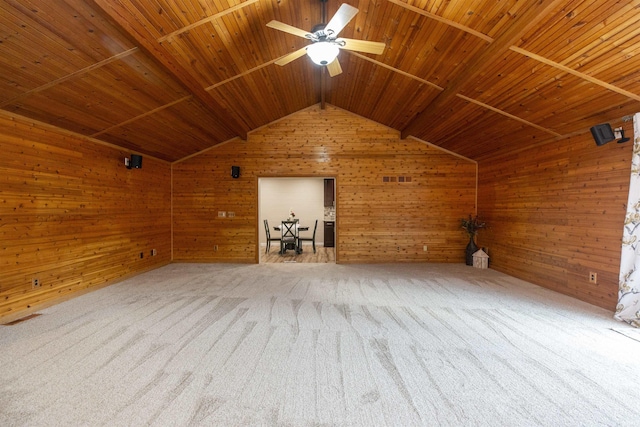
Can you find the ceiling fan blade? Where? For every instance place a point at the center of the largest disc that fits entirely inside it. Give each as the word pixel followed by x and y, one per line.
pixel 287 28
pixel 363 46
pixel 334 68
pixel 340 20
pixel 284 60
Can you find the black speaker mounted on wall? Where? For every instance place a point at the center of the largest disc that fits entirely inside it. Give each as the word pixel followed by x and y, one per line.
pixel 235 171
pixel 602 133
pixel 135 162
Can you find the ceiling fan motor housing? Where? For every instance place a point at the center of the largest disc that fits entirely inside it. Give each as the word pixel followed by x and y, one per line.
pixel 317 28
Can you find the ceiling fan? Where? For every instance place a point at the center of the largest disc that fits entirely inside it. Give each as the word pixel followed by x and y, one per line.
pixel 325 44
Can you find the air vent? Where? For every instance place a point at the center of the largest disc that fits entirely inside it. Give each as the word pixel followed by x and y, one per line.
pixel 396 179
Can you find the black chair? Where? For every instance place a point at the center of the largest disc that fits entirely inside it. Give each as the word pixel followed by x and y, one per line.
pixel 269 238
pixel 311 239
pixel 289 230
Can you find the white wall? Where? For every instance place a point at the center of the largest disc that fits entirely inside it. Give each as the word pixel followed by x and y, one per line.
pixel 305 196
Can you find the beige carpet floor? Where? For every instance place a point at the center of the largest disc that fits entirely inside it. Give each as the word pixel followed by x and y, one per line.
pixel 319 345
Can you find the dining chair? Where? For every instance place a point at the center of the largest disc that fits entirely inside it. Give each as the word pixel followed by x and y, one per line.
pixel 289 230
pixel 269 238
pixel 311 239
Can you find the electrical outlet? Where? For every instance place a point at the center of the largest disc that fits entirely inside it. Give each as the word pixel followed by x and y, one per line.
pixel 424 248
pixel 593 277
pixel 35 283
pixel 231 214
pixel 222 214
pixel 215 248
pixel 154 252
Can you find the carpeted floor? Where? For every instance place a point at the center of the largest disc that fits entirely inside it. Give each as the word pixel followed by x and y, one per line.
pixel 316 345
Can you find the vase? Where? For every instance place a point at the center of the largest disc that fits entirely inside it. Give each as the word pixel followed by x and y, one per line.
pixel 472 248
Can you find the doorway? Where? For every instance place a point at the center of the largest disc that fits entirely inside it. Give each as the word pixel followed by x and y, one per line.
pixel 278 197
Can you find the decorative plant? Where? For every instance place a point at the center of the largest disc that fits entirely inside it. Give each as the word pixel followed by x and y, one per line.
pixel 291 213
pixel 472 224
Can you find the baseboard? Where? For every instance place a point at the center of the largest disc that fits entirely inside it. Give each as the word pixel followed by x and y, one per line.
pixel 33 308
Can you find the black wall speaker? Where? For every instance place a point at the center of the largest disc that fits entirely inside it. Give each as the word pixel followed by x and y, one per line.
pixel 602 133
pixel 235 171
pixel 135 162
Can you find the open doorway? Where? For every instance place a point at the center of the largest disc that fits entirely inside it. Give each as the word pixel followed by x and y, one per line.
pixel 311 199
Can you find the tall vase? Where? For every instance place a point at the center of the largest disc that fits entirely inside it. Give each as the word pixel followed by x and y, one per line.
pixel 472 248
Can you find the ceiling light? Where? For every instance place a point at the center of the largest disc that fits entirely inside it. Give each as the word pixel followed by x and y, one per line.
pixel 323 53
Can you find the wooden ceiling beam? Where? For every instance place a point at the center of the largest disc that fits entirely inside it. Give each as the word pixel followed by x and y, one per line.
pixel 71 76
pixel 395 70
pixel 142 116
pixel 141 36
pixel 206 20
pixel 245 73
pixel 583 76
pixel 521 25
pixel 442 20
pixel 511 116
pixel 466 98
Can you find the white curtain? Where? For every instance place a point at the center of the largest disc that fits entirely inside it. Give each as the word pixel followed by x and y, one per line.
pixel 628 309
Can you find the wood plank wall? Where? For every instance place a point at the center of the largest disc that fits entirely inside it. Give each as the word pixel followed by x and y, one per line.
pixel 376 221
pixel 72 215
pixel 556 213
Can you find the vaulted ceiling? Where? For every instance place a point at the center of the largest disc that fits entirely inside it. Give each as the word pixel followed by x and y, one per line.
pixel 169 78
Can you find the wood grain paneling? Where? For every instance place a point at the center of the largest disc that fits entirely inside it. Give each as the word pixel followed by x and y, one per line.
pixel 124 71
pixel 107 95
pixel 376 221
pixel 556 213
pixel 575 96
pixel 190 131
pixel 394 107
pixel 514 85
pixel 40 42
pixel 255 94
pixel 72 215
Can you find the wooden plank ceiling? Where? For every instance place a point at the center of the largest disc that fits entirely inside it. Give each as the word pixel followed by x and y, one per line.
pixel 170 78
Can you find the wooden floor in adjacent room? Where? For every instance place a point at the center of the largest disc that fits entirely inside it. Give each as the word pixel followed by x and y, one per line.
pixel 322 255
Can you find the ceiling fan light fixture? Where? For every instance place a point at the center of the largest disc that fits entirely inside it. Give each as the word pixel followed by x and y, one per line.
pixel 323 53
